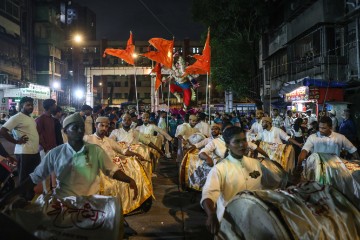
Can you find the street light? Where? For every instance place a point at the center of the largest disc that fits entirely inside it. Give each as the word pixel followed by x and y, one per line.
pixel 79 94
pixel 102 92
pixel 78 38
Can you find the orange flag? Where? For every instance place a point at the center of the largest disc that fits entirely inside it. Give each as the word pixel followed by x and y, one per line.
pixel 202 64
pixel 164 53
pixel 126 55
pixel 157 70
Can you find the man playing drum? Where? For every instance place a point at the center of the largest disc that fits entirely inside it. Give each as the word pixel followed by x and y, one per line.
pixel 233 174
pixel 326 141
pixel 75 164
pixel 187 129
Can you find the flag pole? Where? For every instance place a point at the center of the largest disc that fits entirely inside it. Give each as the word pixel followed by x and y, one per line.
pixel 136 93
pixel 206 93
pixel 209 101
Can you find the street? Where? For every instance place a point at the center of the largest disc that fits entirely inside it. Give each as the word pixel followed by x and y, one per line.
pixel 174 214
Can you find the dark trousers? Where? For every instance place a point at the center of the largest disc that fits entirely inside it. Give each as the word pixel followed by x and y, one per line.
pixel 26 165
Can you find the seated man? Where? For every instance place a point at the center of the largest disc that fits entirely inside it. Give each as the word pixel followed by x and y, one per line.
pixel 233 174
pixel 76 165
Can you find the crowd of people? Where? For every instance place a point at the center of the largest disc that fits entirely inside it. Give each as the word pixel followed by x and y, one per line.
pixel 72 149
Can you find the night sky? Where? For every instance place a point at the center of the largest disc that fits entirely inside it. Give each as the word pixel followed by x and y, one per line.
pixel 115 18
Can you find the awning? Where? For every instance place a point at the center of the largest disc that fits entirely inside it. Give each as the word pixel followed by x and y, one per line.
pixel 307 81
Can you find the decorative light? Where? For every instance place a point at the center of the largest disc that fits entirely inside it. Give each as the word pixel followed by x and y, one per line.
pixel 100 83
pixel 134 55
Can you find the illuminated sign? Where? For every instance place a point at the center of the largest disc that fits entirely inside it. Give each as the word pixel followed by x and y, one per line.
pixel 300 94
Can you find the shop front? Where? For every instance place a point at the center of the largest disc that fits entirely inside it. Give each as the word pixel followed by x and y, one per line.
pixel 39 93
pixel 312 94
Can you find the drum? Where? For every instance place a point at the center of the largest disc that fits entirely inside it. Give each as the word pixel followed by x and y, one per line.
pixel 193 171
pixel 281 153
pixel 330 169
pixel 145 152
pixel 196 138
pixel 111 187
pixel 306 211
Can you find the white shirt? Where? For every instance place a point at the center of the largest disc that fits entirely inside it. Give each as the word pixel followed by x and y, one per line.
pixel 162 123
pixel 149 130
pixel 204 128
pixel 130 137
pixel 256 127
pixel 77 173
pixel 110 147
pixel 21 124
pixel 316 143
pixel 273 136
pixel 288 123
pixel 311 119
pixel 229 177
pixel 88 125
pixel 185 130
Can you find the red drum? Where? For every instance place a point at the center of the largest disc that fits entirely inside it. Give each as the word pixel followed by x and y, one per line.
pixel 329 169
pixel 307 211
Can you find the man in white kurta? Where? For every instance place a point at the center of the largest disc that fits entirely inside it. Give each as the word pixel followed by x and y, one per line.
pixel 203 126
pixel 148 131
pixel 77 164
pixel 130 166
pixel 273 134
pixel 185 130
pixel 257 126
pixel 229 177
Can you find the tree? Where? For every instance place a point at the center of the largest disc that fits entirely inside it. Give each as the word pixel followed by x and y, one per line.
pixel 235 30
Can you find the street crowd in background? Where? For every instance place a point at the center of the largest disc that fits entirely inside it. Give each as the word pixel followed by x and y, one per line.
pixel 98 137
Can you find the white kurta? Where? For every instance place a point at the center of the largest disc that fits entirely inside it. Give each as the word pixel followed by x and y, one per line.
pixel 256 128
pixel 186 130
pixel 107 144
pixel 150 129
pixel 316 143
pixel 275 135
pixel 229 177
pixel 204 128
pixel 130 137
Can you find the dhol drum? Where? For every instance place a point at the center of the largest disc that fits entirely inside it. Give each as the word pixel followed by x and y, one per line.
pixel 145 152
pixel 193 171
pixel 134 169
pixel 307 211
pixel 7 174
pixel 330 169
pixel 281 153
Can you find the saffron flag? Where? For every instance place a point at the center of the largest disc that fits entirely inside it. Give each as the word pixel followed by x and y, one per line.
pixel 157 70
pixel 126 55
pixel 164 53
pixel 202 64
